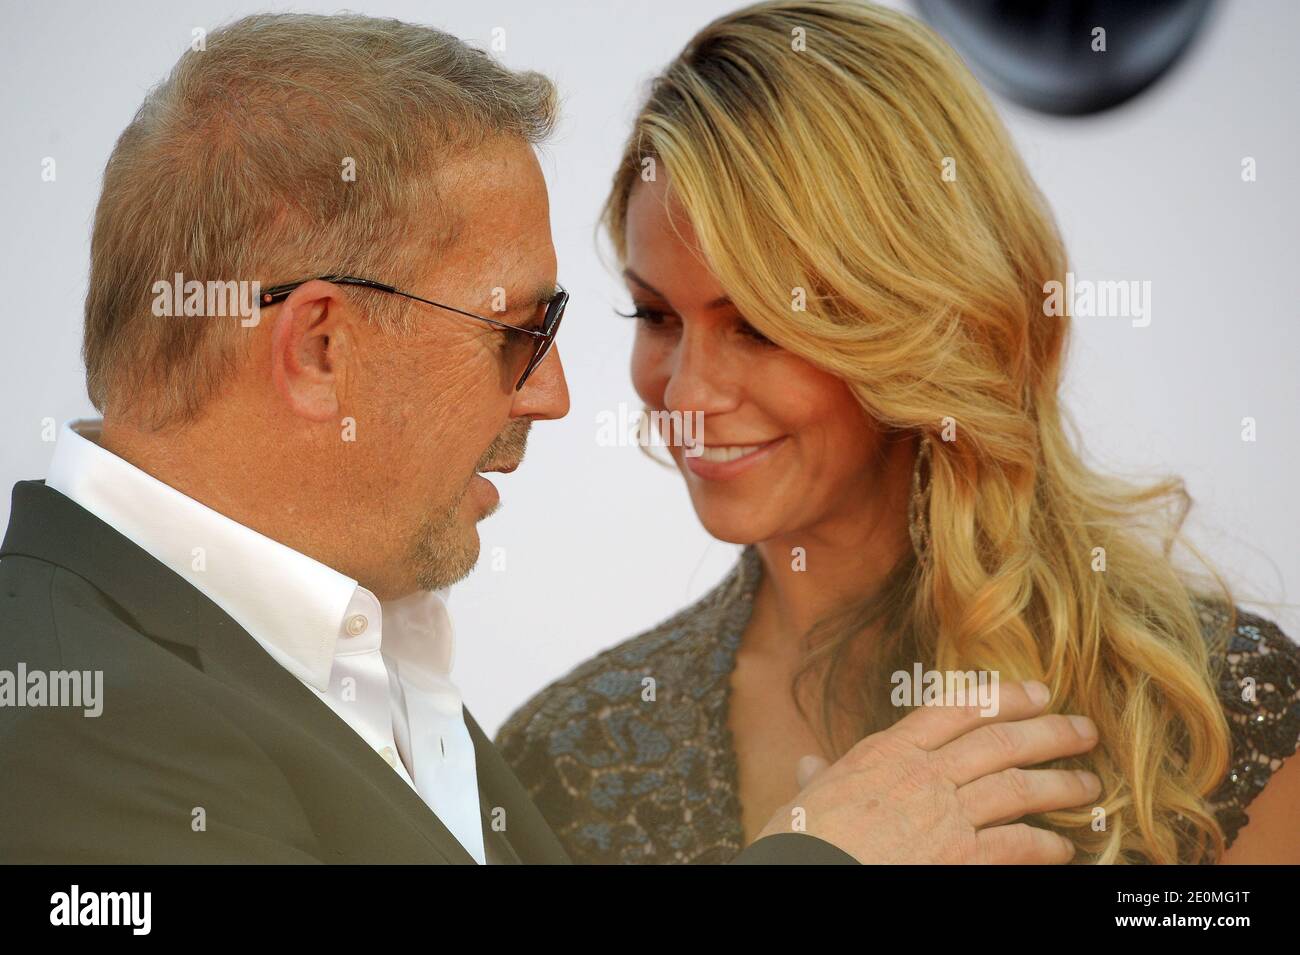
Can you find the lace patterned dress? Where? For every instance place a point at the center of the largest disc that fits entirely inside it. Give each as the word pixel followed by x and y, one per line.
pixel 626 781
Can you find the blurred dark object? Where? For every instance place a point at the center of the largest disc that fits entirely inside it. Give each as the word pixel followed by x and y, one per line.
pixel 1041 53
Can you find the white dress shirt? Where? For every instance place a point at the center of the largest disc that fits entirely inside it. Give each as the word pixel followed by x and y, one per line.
pixel 385 669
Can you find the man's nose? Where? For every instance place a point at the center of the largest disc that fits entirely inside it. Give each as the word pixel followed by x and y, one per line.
pixel 545 394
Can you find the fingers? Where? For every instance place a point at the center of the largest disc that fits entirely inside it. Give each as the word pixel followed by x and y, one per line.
pixel 995 747
pixel 1006 796
pixel 930 727
pixel 1022 844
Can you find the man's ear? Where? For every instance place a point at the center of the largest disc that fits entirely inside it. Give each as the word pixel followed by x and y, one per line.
pixel 310 349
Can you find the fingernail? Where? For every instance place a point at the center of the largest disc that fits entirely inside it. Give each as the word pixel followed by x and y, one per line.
pixel 808 767
pixel 1084 727
pixel 1091 780
pixel 1038 692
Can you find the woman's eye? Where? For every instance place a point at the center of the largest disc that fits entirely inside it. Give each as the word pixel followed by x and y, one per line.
pixel 647 316
pixel 749 331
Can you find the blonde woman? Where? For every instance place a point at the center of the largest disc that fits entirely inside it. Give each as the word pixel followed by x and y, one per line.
pixel 865 339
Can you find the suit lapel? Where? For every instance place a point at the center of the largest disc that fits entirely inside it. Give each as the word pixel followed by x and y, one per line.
pixel 164 607
pixel 527 834
pixel 496 846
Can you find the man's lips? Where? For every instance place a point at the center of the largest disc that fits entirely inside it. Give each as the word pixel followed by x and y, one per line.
pixel 500 469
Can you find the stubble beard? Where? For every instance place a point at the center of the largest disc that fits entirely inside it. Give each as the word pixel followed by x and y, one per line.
pixel 443 554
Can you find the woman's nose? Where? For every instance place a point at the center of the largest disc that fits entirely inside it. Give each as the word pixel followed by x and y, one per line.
pixel 702 375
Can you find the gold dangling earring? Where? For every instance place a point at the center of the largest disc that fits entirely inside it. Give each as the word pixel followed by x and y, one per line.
pixel 918 505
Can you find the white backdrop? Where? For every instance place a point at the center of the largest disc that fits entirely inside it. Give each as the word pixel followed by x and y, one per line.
pixel 599 543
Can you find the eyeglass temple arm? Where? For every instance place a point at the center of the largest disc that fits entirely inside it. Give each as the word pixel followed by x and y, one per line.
pixel 278 293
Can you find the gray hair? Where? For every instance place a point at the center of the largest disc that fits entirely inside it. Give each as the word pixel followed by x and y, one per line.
pixel 233 168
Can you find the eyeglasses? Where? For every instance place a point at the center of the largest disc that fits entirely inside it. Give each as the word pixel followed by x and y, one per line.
pixel 538 343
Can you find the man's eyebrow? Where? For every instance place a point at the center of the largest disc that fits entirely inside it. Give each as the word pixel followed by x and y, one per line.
pixel 722 301
pixel 540 295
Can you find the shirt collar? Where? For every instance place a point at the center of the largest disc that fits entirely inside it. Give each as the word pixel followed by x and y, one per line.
pixel 293 605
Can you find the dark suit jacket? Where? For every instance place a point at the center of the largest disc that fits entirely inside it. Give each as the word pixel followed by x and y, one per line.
pixel 200 724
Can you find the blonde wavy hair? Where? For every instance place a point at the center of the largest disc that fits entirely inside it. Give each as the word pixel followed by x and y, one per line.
pixel 807 142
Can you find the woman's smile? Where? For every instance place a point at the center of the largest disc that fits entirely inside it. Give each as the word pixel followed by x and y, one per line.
pixel 721 462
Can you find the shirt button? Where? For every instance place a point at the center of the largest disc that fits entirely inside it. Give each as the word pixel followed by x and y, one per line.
pixel 389 755
pixel 356 624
